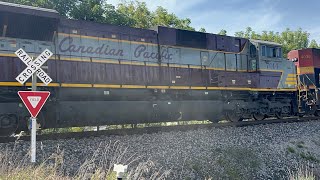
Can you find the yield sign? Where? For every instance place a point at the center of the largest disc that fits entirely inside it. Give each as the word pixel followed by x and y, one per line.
pixel 34 100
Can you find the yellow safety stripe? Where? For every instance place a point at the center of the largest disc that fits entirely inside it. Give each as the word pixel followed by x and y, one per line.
pixel 292 75
pixel 75 85
pixel 291 79
pixel 148 87
pixel 41 84
pixel 291 82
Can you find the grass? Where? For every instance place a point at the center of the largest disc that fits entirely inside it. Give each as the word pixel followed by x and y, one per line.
pixel 97 166
pixel 303 173
pixel 122 126
pixel 302 152
pixel 236 163
pixel 291 149
pixel 309 157
pixel 115 127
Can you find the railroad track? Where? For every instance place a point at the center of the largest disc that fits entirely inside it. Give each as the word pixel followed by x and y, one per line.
pixel 150 130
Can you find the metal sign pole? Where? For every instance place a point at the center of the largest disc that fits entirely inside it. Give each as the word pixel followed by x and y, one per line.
pixel 33 123
pixel 33 70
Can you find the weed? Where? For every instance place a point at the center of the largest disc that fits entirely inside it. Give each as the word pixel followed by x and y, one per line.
pixel 303 173
pixel 97 166
pixel 300 146
pixel 291 149
pixel 237 163
pixel 309 157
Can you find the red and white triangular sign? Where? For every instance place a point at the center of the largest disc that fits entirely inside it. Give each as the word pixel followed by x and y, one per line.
pixel 34 100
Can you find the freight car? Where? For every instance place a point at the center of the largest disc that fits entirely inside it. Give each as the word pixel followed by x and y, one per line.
pixel 104 74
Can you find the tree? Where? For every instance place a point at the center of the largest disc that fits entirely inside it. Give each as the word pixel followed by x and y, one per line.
pixel 223 32
pixel 90 10
pixel 163 18
pixel 133 14
pixel 137 13
pixel 62 6
pixel 249 33
pixel 202 30
pixel 294 40
pixel 313 44
pixel 112 16
pixel 289 39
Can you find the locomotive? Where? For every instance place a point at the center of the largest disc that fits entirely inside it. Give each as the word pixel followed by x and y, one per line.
pixel 106 74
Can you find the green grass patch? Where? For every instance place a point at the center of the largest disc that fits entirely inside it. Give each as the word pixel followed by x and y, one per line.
pixel 309 157
pixel 291 149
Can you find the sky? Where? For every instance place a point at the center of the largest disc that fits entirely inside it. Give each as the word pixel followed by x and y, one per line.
pixel 236 15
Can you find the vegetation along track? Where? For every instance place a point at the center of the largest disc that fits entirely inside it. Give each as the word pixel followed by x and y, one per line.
pixel 150 130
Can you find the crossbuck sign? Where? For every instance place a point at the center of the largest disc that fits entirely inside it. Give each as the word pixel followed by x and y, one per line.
pixel 33 66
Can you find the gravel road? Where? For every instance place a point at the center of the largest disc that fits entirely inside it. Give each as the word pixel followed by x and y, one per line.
pixel 254 152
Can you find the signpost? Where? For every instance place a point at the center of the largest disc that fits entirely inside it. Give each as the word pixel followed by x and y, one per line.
pixel 34 100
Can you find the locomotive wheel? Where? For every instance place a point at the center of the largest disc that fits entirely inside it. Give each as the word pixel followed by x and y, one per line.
pixel 233 116
pixel 9 124
pixel 259 116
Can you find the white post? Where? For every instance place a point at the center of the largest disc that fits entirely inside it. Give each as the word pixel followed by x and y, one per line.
pixel 33 124
pixel 33 139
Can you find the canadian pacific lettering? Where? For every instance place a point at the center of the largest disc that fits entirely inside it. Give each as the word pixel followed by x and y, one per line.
pixel 103 49
pixel 141 51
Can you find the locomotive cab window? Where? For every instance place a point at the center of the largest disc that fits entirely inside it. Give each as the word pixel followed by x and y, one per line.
pixel 271 51
pixel 253 51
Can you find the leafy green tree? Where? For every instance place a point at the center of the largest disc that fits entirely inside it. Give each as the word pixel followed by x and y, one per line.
pixel 133 13
pixel 249 33
pixel 289 39
pixel 313 44
pixel 294 40
pixel 137 13
pixel 62 6
pixel 90 10
pixel 112 16
pixel 202 30
pixel 223 32
pixel 163 18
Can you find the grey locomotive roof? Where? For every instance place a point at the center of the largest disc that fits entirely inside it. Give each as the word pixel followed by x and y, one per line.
pixel 24 9
pixel 265 42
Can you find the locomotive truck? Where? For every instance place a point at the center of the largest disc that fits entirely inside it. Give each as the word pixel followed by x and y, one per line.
pixel 106 74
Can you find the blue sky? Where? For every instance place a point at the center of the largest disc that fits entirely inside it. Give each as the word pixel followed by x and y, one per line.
pixel 236 15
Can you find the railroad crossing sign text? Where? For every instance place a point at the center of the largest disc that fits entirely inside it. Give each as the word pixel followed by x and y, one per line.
pixel 33 66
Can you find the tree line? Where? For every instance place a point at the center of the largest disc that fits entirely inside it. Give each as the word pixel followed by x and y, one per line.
pixel 290 39
pixel 133 13
pixel 136 14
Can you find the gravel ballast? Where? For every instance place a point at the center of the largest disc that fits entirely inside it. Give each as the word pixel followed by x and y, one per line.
pixel 253 152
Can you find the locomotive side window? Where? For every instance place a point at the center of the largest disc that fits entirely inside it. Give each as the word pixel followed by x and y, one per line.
pixel 263 50
pixel 253 51
pixel 279 52
pixel 271 51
